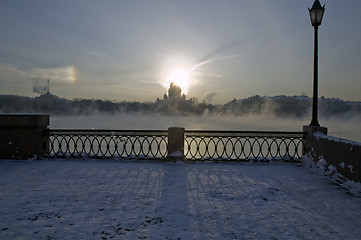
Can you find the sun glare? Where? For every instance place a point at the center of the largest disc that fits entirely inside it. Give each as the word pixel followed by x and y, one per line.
pixel 180 77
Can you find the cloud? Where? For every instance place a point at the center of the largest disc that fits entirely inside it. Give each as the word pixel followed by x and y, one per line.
pixel 13 80
pixel 64 74
pixel 211 60
pixel 220 49
pixel 98 54
pixel 206 74
pixel 39 76
pixel 143 81
pixel 8 71
pixel 209 97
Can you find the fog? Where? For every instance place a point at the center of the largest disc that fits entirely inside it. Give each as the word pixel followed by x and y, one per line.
pixel 347 128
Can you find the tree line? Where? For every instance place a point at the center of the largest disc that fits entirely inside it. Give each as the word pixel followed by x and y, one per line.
pixel 298 106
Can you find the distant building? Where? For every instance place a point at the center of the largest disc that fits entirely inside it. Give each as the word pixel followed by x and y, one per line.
pixel 255 104
pixel 174 92
pixel 298 105
pixel 175 101
pixel 332 105
pixel 48 102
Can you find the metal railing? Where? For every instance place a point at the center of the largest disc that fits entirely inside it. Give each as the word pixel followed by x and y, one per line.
pixel 153 144
pixel 243 145
pixel 132 144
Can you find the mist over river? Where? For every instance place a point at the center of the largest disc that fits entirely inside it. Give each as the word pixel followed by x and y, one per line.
pixel 339 127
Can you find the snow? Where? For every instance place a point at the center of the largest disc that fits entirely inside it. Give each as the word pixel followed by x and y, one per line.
pixel 104 199
pixel 322 168
pixel 176 154
pixel 342 165
pixel 319 135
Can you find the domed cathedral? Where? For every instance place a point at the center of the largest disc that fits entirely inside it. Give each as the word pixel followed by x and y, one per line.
pixel 174 92
pixel 175 100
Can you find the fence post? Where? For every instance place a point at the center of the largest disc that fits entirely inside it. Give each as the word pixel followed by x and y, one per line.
pixel 310 130
pixel 175 144
pixel 22 135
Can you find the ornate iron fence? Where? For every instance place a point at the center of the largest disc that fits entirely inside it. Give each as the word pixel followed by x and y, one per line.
pixel 132 144
pixel 243 145
pixel 199 145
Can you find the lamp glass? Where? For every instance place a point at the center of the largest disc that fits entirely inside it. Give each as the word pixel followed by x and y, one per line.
pixel 316 14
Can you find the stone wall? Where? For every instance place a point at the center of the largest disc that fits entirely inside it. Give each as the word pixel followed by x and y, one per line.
pixel 335 154
pixel 22 135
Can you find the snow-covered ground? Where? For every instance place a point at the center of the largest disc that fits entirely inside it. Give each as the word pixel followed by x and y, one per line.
pixel 102 199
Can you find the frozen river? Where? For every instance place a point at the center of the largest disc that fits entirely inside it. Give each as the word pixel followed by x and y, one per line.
pixel 343 128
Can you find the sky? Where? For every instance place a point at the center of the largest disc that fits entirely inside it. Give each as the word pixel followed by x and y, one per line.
pixel 219 50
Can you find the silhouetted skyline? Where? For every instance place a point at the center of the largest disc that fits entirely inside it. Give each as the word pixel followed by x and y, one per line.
pixel 127 50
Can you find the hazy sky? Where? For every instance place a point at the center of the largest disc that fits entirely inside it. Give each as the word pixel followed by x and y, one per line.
pixel 125 50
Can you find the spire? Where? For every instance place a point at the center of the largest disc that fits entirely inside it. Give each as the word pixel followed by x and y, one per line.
pixel 48 86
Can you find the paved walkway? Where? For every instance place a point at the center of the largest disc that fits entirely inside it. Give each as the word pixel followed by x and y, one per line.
pixel 122 200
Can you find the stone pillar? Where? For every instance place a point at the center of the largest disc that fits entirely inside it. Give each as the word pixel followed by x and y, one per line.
pixel 310 130
pixel 175 144
pixel 22 135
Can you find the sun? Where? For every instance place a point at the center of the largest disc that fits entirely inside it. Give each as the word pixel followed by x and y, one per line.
pixel 180 77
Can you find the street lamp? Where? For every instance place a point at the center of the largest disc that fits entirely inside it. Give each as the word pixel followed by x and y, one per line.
pixel 316 14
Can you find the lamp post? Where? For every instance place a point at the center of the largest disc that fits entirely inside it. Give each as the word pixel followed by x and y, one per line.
pixel 316 14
